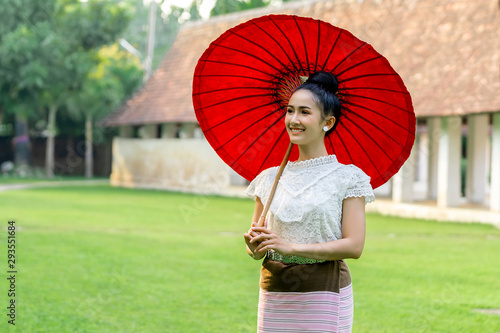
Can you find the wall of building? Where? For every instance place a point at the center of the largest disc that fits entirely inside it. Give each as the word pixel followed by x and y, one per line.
pixel 184 165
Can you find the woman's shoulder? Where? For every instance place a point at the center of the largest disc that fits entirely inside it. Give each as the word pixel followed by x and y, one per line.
pixel 266 174
pixel 352 169
pixel 357 183
pixel 268 171
pixel 261 184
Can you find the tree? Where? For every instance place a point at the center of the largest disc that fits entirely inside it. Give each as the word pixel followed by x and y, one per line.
pixel 19 74
pixel 51 58
pixel 48 48
pixel 115 77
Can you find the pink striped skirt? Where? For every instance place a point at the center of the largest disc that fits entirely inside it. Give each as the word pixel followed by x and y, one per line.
pixel 305 297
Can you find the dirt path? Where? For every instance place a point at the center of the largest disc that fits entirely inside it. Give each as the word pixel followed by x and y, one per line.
pixel 54 183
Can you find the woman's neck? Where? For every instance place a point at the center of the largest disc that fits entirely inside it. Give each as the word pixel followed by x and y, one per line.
pixel 308 152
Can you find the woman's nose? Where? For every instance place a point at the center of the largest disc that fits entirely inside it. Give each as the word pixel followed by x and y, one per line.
pixel 294 118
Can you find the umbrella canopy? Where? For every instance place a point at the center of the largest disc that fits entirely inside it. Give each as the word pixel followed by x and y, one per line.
pixel 243 81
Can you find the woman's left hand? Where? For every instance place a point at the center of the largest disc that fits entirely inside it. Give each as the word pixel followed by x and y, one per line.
pixel 270 241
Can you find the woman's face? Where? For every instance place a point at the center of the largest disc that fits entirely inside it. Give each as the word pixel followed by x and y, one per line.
pixel 304 121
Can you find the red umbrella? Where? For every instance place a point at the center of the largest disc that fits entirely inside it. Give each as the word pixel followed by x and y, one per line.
pixel 243 81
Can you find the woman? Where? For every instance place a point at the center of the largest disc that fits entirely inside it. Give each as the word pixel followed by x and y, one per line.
pixel 316 220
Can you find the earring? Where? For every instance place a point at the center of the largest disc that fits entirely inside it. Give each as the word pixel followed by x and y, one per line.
pixel 325 128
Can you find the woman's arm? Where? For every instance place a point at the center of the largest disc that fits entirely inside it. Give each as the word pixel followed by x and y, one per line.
pixel 350 246
pixel 251 246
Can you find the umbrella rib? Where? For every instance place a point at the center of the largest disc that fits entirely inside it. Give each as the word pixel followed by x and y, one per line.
pixel 243 130
pixel 362 148
pixel 235 99
pixel 378 114
pixel 378 128
pixel 342 141
pixel 232 75
pixel 349 102
pixel 248 54
pixel 290 43
pixel 238 65
pixel 226 89
pixel 318 43
pixel 378 100
pixel 239 114
pixel 277 43
pixel 304 42
pixel 261 47
pixel 359 64
pixel 331 50
pixel 270 151
pixel 367 75
pixel 383 132
pixel 374 88
pixel 256 139
pixel 350 54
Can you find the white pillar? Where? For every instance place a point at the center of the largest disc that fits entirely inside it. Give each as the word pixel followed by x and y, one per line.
pixel 169 131
pixel 402 183
pixel 448 177
pixel 198 133
pixel 148 131
pixel 126 131
pixel 423 156
pixel 495 164
pixel 433 130
pixel 187 130
pixel 477 139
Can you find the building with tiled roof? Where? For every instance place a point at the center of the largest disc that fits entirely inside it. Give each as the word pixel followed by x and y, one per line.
pixel 446 51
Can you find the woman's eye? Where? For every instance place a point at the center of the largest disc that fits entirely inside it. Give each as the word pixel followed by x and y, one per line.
pixel 289 111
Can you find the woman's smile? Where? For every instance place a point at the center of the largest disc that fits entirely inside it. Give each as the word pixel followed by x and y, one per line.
pixel 296 130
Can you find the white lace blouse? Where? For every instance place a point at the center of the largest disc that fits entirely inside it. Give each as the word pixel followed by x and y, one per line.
pixel 307 206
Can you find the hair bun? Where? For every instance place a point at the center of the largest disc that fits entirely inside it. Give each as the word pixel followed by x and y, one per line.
pixel 325 80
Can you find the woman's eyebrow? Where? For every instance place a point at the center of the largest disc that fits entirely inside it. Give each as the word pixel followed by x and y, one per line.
pixel 300 107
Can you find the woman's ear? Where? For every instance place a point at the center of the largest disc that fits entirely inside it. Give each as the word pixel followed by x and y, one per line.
pixel 330 122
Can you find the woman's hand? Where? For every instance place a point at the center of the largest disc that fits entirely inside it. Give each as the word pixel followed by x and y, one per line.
pixel 268 240
pixel 251 246
pixel 249 236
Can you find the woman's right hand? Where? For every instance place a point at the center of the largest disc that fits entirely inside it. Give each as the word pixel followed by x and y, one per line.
pixel 249 235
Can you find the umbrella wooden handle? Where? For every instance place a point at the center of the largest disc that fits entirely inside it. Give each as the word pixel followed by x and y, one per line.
pixel 275 184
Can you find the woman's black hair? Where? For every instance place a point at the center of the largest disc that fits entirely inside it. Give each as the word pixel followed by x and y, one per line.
pixel 324 87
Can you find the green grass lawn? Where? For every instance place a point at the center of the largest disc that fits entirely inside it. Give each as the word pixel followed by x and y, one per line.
pixel 103 259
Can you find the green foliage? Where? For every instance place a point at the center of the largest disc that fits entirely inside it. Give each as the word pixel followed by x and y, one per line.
pixel 16 13
pixel 95 23
pixel 48 48
pixel 194 10
pixel 119 260
pixel 228 6
pixel 24 24
pixel 114 78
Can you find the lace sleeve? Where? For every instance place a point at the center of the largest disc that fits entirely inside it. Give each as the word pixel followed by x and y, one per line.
pixel 359 185
pixel 261 185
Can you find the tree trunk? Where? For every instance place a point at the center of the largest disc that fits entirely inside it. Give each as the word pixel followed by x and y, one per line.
pixel 49 148
pixel 21 141
pixel 89 158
